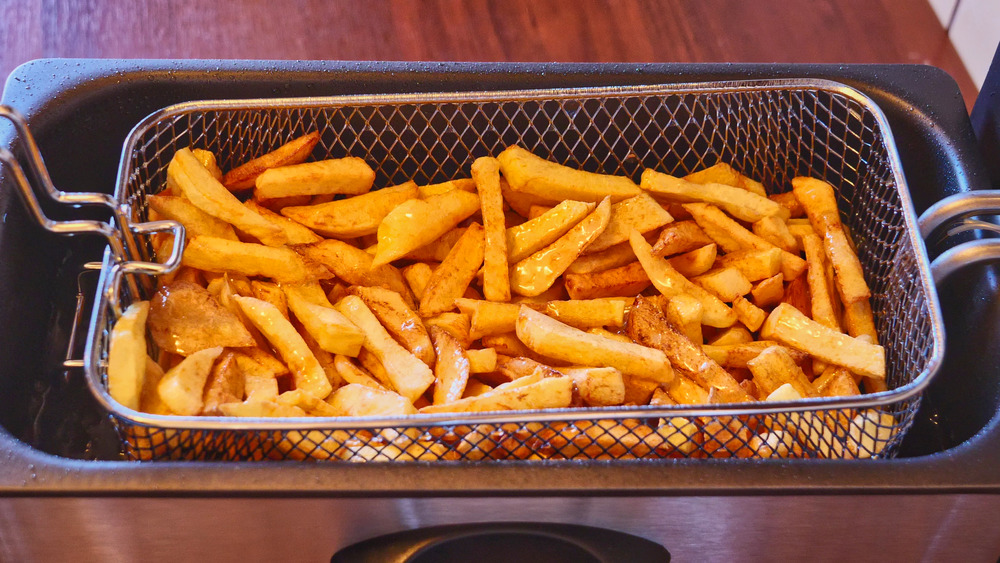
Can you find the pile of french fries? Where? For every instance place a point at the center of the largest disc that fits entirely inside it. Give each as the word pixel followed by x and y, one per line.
pixel 529 285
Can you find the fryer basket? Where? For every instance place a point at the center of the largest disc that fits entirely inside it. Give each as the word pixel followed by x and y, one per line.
pixel 771 131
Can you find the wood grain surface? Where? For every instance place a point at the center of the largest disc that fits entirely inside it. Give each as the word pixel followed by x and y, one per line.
pixel 820 31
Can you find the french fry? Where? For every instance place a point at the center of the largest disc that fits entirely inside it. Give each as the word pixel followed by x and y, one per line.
pixel 588 313
pixel 549 337
pixel 149 399
pixel 451 371
pixel 182 387
pixel 281 264
pixel 836 381
pixel 418 222
pixel 736 334
pixel 196 222
pixel 737 354
pixel 127 355
pixel 769 292
pixel 292 152
pixel 488 317
pixel 870 432
pixel 522 202
pixel 225 385
pixel 261 409
pixel 332 330
pixel 617 282
pixel 820 203
pixel 207 159
pixel 294 232
pixel 739 203
pixel 184 318
pixel 351 373
pixel 790 327
pixel 409 376
pixel 725 283
pixel 355 399
pixel 417 275
pixel 535 234
pixel 437 250
pixel 789 202
pixel 483 360
pixel 695 262
pixel 775 367
pixel 614 257
pixel 546 393
pixel 198 185
pixel 670 282
pixel 356 267
pixel 682 236
pixel 496 279
pixel 775 231
pixel 640 213
pixel 686 392
pixel 719 173
pixel 270 292
pixel 371 364
pixel 797 295
pixel 859 320
pixel 467 184
pixel 819 291
pixel 266 362
pixel 536 273
pixel 400 320
pixel 528 173
pixel 306 371
pixel 354 216
pixel 749 314
pixel 649 327
pixel 450 280
pixel 350 175
pixel 537 211
pixel 457 325
pixel 684 313
pixel 755 264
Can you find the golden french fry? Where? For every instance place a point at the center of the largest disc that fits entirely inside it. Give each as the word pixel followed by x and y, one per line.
pixel 419 222
pixel 536 273
pixel 262 409
pixel 522 202
pixel 292 152
pixel 259 383
pixel 399 319
pixel 684 313
pixel 350 175
pixel 451 370
pixel 870 432
pixel 488 317
pixel 295 232
pixel 859 320
pixel 769 292
pixel 819 291
pixel 719 173
pixel 588 313
pixel 736 334
pixel 457 325
pixel 483 360
pixel 355 399
pixel 695 262
pixel 670 282
pixel 755 264
pixel 749 314
pixel 836 381
pixel 789 202
pixel 417 275
pixel 537 233
pixel 547 393
pixel 354 216
pixel 725 283
pixel 614 257
pixel 549 337
pixel 775 231
pixel 775 367
pixel 270 292
pixel 127 355
pixel 409 376
pixel 436 251
pixel 739 203
pixel 225 385
pixel 737 354
pixel 198 185
pixel 496 279
pixel 599 387
pixel 450 280
pixel 682 236
pixel 196 222
pixel 332 330
pixel 790 327
pixel 820 203
pixel 306 370
pixel 351 373
pixel 475 388
pixel 280 264
pixel 184 318
pixel 534 175
pixel 207 159
pixel 149 399
pixel 686 392
pixel 617 282
pixel 467 184
pixel 356 267
pixel 640 213
pixel 182 387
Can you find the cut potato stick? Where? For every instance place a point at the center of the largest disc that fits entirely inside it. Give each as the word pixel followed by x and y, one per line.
pixel 769 292
pixel 836 381
pixel 332 330
pixel 450 280
pixel 182 387
pixel 184 318
pixel 150 400
pixel 496 279
pixel 483 360
pixel 789 202
pixel 684 313
pixel 400 320
pixel 725 283
pixel 640 213
pixel 225 385
pixel 489 318
pixel 355 399
pixel 451 370
pixel 739 203
pixel 617 282
pixel 127 355
pixel 351 373
pixel 859 320
pixel 522 202
pixel 682 236
pixel 549 337
pixel 295 151
pixel 528 173
pixel 755 264
pixel 437 250
pixel 588 313
pixel 618 255
pixel 536 273
pixel 737 354
pixel 547 393
pixel 356 267
pixel 774 367
pixel 280 264
pixel 417 275
pixel 599 387
pixel 354 216
pixel 749 314
pixel 719 173
pixel 695 262
pixel 467 184
pixel 457 325
pixel 409 376
pixel 350 175
pixel 419 222
pixel 294 232
pixel 270 292
pixel 535 234
pixel 790 327
pixel 196 222
pixel 670 282
pixel 775 231
pixel 819 291
pixel 686 392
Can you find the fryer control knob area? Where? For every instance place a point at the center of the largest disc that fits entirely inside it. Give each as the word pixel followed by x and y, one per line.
pixel 505 542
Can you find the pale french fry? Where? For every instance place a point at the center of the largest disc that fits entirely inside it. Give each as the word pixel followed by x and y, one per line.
pixel 270 292
pixel 308 403
pixel 671 283
pixel 401 321
pixel 409 376
pixel 684 313
pixel 351 373
pixel 819 291
pixel 332 330
pixel 294 232
pixel 196 222
pixel 755 264
pixel 182 387
pixel 496 279
pixel 350 175
pixel 280 264
pixel 534 175
pixel 507 344
pixel 599 387
pixel 695 262
pixel 732 237
pixel 775 231
pixel 418 222
pixel 774 367
pixel 686 392
pixel 259 383
pixel 739 203
pixel 522 202
pixel 207 159
pixel 355 399
pixel 749 314
pixel 467 184
pixel 537 233
pixel 306 371
pixel 451 371
pixel 292 152
pixel 261 409
pixel 547 393
pixel 149 399
pixel 184 318
pixel 450 280
pixel 127 355
pixel 549 337
pixel 790 327
pixel 820 203
pixel 725 283
pixel 608 334
pixel 354 216
pixel 799 230
pixel 536 273
pixel 370 363
pixel 487 317
pixel 356 267
pixel 614 257
pixel 769 292
pixel 640 213
pixel 198 185
pixel 648 326
pixel 836 381
pixel 483 360
pixel 264 360
pixel 588 313
pixel 417 275
pixel 678 237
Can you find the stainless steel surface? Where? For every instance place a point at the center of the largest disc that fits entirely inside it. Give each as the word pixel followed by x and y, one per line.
pixel 791 127
pixel 723 528
pixel 958 206
pixel 951 216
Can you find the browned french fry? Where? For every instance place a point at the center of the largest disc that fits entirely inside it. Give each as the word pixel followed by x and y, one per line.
pixel 859 320
pixel 748 313
pixel 437 250
pixel 769 292
pixel 457 324
pixel 775 231
pixel 819 291
pixel 599 387
pixel 719 173
pixel 400 320
pixel 836 381
pixel 588 313
pixel 725 283
pixel 496 279
pixel 737 354
pixel 797 295
pixel 356 267
pixel 738 202
pixel 292 152
pixel 270 292
pixel 225 385
pixel 451 370
pixel 372 365
pixel 196 222
pixel 280 264
pixel 127 355
pixel 351 373
pixel 695 262
pixel 417 275
pixel 487 317
pixel 419 222
pixel 184 318
pixel 617 255
pixel 640 213
pixel 539 232
pixel 681 236
pixel 450 280
pixel 354 216
pixel 617 282
pixel 532 174
pixel 294 232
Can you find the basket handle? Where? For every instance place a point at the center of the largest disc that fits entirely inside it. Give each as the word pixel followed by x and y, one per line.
pixel 956 214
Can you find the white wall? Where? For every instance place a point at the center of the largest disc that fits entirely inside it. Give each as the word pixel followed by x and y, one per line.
pixel 974 31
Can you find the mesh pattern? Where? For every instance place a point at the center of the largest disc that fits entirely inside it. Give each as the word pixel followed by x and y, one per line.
pixel 770 134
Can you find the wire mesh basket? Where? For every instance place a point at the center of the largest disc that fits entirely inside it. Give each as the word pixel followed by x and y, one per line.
pixel 771 131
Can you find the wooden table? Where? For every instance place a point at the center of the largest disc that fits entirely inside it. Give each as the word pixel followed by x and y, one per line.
pixel 820 31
